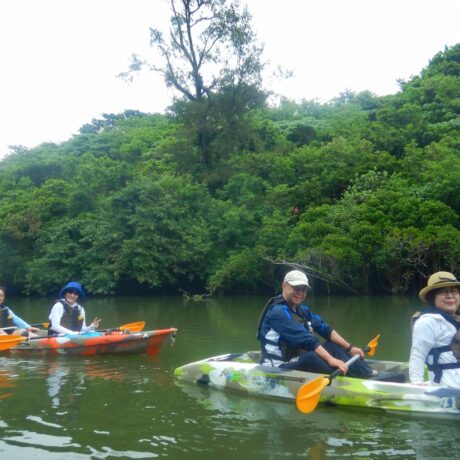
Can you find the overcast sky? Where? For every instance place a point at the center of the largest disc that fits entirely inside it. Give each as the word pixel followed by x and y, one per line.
pixel 59 58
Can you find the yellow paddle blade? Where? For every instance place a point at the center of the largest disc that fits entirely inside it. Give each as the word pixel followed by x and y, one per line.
pixel 8 341
pixel 133 327
pixel 373 345
pixel 308 395
pixel 44 325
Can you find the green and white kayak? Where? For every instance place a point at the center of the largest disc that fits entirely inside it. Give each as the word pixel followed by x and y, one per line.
pixel 240 372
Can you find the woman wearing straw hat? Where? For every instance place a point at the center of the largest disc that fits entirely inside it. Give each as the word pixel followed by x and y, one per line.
pixel 436 336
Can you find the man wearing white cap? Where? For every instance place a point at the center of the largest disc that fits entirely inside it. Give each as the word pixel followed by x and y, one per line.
pixel 287 332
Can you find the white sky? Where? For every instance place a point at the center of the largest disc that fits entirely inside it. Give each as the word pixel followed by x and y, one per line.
pixel 59 58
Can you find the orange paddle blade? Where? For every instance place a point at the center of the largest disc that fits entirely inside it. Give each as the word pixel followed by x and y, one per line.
pixel 133 327
pixel 308 395
pixel 8 341
pixel 373 345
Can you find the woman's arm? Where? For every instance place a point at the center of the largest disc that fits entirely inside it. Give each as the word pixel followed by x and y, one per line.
pixel 423 340
pixel 19 322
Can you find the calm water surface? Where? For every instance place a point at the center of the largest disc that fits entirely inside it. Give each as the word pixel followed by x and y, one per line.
pixel 130 406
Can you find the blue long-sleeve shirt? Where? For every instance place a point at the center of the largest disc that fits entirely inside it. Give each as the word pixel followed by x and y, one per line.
pixel 297 328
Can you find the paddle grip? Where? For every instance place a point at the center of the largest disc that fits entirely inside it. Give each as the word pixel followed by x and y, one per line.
pixel 338 371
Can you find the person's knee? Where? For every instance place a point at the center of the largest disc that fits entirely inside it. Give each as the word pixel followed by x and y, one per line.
pixel 311 362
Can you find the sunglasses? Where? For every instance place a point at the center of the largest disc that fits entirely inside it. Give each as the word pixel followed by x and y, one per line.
pixel 73 291
pixel 299 288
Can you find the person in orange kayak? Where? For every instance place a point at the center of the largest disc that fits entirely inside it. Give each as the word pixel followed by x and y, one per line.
pixel 67 316
pixel 287 333
pixel 11 323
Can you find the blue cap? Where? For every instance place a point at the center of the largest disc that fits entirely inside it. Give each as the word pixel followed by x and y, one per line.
pixel 73 285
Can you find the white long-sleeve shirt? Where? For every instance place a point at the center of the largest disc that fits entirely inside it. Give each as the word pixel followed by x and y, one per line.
pixel 431 330
pixel 55 318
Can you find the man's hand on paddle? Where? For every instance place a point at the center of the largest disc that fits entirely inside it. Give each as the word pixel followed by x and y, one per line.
pixel 334 362
pixel 357 351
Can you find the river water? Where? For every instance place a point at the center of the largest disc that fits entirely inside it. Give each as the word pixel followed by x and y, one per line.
pixel 108 407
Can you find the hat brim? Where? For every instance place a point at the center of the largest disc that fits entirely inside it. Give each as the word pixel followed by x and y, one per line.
pixel 298 283
pixel 80 293
pixel 423 293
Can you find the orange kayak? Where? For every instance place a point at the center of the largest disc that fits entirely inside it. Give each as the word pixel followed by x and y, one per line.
pixel 96 343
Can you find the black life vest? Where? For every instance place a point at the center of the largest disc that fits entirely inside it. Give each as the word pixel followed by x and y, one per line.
pixel 454 346
pixel 6 318
pixel 72 318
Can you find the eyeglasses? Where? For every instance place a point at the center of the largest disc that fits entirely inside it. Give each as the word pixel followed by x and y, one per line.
pixel 73 291
pixel 300 288
pixel 446 291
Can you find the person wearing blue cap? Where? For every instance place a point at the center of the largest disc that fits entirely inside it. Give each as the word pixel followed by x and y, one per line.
pixel 67 316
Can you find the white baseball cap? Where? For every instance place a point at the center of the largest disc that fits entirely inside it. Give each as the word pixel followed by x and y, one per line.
pixel 296 278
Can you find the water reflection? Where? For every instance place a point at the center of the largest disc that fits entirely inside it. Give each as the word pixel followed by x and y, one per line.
pixel 129 406
pixel 66 382
pixel 74 408
pixel 58 377
pixel 329 432
pixel 6 382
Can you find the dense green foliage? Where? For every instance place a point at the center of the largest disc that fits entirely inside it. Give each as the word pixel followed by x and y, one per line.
pixel 363 192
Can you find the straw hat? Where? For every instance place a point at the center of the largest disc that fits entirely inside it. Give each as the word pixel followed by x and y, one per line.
pixel 438 280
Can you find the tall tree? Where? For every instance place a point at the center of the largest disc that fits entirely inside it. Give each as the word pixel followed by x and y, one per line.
pixel 211 51
pixel 211 46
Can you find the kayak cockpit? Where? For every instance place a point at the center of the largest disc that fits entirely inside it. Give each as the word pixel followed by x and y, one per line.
pixel 390 371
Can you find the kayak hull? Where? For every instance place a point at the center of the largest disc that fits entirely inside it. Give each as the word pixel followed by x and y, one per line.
pixel 96 343
pixel 241 373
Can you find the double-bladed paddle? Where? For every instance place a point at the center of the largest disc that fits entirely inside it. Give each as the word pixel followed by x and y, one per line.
pixel 44 325
pixel 308 395
pixel 9 341
pixel 131 327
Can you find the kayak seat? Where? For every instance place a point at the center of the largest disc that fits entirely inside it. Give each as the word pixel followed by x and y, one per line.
pixel 396 377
